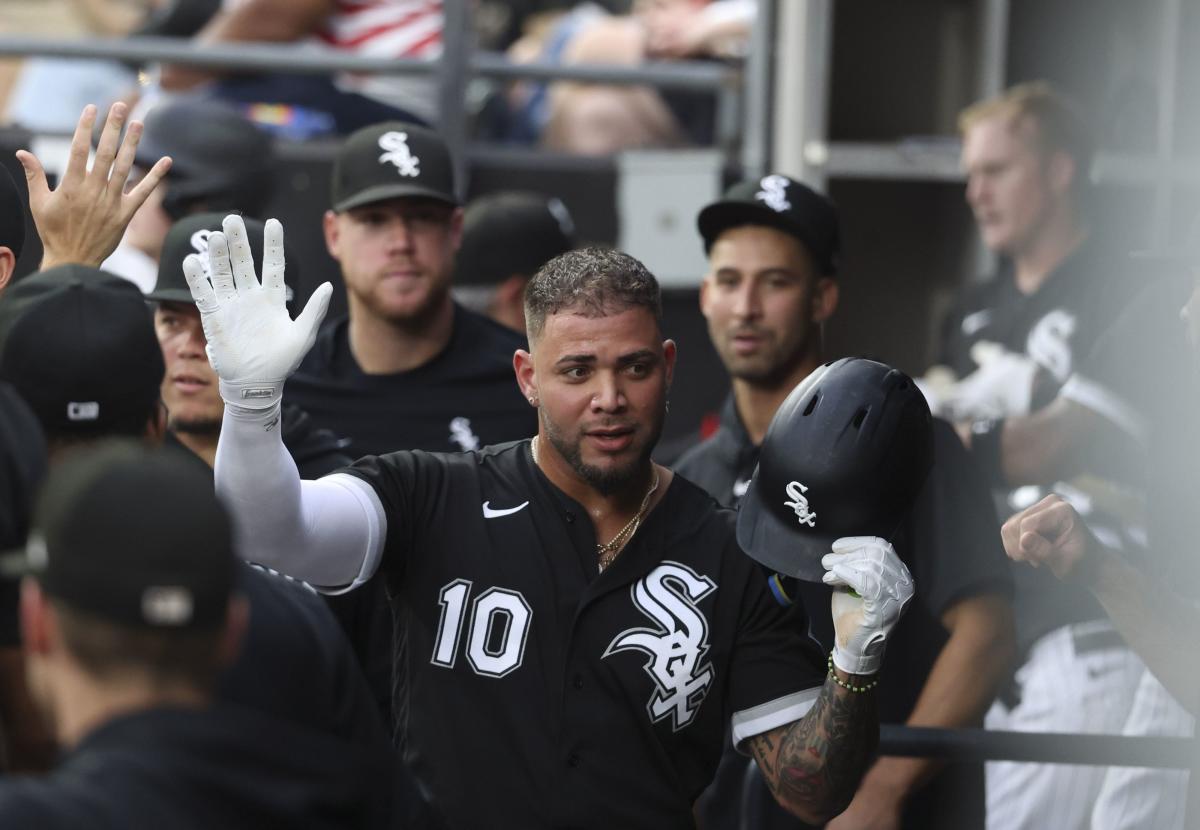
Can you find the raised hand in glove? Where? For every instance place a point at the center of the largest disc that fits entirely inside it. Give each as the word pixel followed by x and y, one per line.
pixel 252 343
pixel 1002 386
pixel 871 587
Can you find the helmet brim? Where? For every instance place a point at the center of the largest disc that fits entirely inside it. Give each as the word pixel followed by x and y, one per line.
pixel 776 544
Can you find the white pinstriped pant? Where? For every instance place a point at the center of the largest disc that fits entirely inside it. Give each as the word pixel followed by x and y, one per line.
pixel 1061 691
pixel 1137 797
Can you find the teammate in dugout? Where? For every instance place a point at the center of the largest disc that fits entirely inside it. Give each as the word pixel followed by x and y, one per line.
pixel 572 613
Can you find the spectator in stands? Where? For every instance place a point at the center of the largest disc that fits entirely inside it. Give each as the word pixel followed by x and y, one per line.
pixel 131 613
pixel 598 119
pixel 1014 341
pixel 506 238
pixel 410 29
pixel 773 247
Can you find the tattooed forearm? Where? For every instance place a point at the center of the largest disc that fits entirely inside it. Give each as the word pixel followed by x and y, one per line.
pixel 814 765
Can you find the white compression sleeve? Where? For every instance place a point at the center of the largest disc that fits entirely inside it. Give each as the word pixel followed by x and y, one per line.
pixel 329 532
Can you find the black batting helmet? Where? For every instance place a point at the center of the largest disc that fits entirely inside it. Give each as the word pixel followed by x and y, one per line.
pixel 220 161
pixel 845 455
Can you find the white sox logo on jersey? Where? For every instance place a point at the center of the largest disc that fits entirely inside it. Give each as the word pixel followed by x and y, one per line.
pixel 774 193
pixel 396 152
pixel 462 434
pixel 1049 343
pixel 799 503
pixel 677 645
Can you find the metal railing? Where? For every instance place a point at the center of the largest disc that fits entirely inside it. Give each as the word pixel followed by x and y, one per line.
pixel 458 65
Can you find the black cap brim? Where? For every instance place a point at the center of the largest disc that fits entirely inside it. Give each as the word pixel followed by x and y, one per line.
pixel 171 295
pixel 721 216
pixel 384 192
pixel 767 540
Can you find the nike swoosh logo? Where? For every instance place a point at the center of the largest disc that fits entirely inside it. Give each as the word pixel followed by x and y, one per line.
pixel 496 513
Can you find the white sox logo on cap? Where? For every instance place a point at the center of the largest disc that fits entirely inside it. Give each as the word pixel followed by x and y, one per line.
pixel 799 503
pixel 396 152
pixel 774 193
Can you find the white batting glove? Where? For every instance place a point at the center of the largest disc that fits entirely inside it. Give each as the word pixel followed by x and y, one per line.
pixel 1002 386
pixel 868 566
pixel 252 343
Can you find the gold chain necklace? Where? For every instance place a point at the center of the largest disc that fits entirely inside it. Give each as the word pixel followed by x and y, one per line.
pixel 608 551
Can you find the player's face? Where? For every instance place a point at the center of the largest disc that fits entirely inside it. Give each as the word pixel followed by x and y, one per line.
pixel 396 256
pixel 602 385
pixel 1008 183
pixel 189 388
pixel 763 300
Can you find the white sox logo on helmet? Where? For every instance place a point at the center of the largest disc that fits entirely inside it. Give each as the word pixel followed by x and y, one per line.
pixel 396 152
pixel 799 504
pixel 677 645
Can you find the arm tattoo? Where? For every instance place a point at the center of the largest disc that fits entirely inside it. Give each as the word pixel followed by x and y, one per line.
pixel 813 766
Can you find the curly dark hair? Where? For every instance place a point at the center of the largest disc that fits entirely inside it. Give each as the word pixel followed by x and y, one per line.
pixel 594 282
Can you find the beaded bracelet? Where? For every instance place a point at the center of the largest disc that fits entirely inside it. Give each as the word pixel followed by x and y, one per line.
pixel 846 685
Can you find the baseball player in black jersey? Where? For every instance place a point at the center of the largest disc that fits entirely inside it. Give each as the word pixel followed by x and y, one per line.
pixel 773 250
pixel 1021 335
pixel 577 627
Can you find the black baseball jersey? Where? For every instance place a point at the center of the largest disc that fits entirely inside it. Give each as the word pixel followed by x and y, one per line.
pixel 1142 376
pixel 465 398
pixel 533 691
pixel 199 769
pixel 950 543
pixel 1056 325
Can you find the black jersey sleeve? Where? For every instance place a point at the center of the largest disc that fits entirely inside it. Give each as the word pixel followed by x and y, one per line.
pixel 413 487
pixel 957 550
pixel 1130 373
pixel 777 670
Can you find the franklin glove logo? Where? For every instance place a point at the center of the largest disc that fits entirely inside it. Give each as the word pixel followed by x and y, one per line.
pixel 678 643
pixel 799 503
pixel 774 193
pixel 396 152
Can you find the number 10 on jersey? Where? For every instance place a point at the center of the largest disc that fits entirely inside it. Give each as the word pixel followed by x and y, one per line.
pixel 497 632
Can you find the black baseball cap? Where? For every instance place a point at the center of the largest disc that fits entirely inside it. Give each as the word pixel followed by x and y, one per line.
pixel 778 202
pixel 78 344
pixel 12 213
pixel 392 160
pixel 511 233
pixel 190 236
pixel 134 536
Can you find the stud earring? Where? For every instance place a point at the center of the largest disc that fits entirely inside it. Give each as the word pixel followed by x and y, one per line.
pixel 533 401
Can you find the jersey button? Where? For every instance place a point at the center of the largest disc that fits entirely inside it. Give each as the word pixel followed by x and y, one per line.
pixel 573 760
pixel 570 517
pixel 577 681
